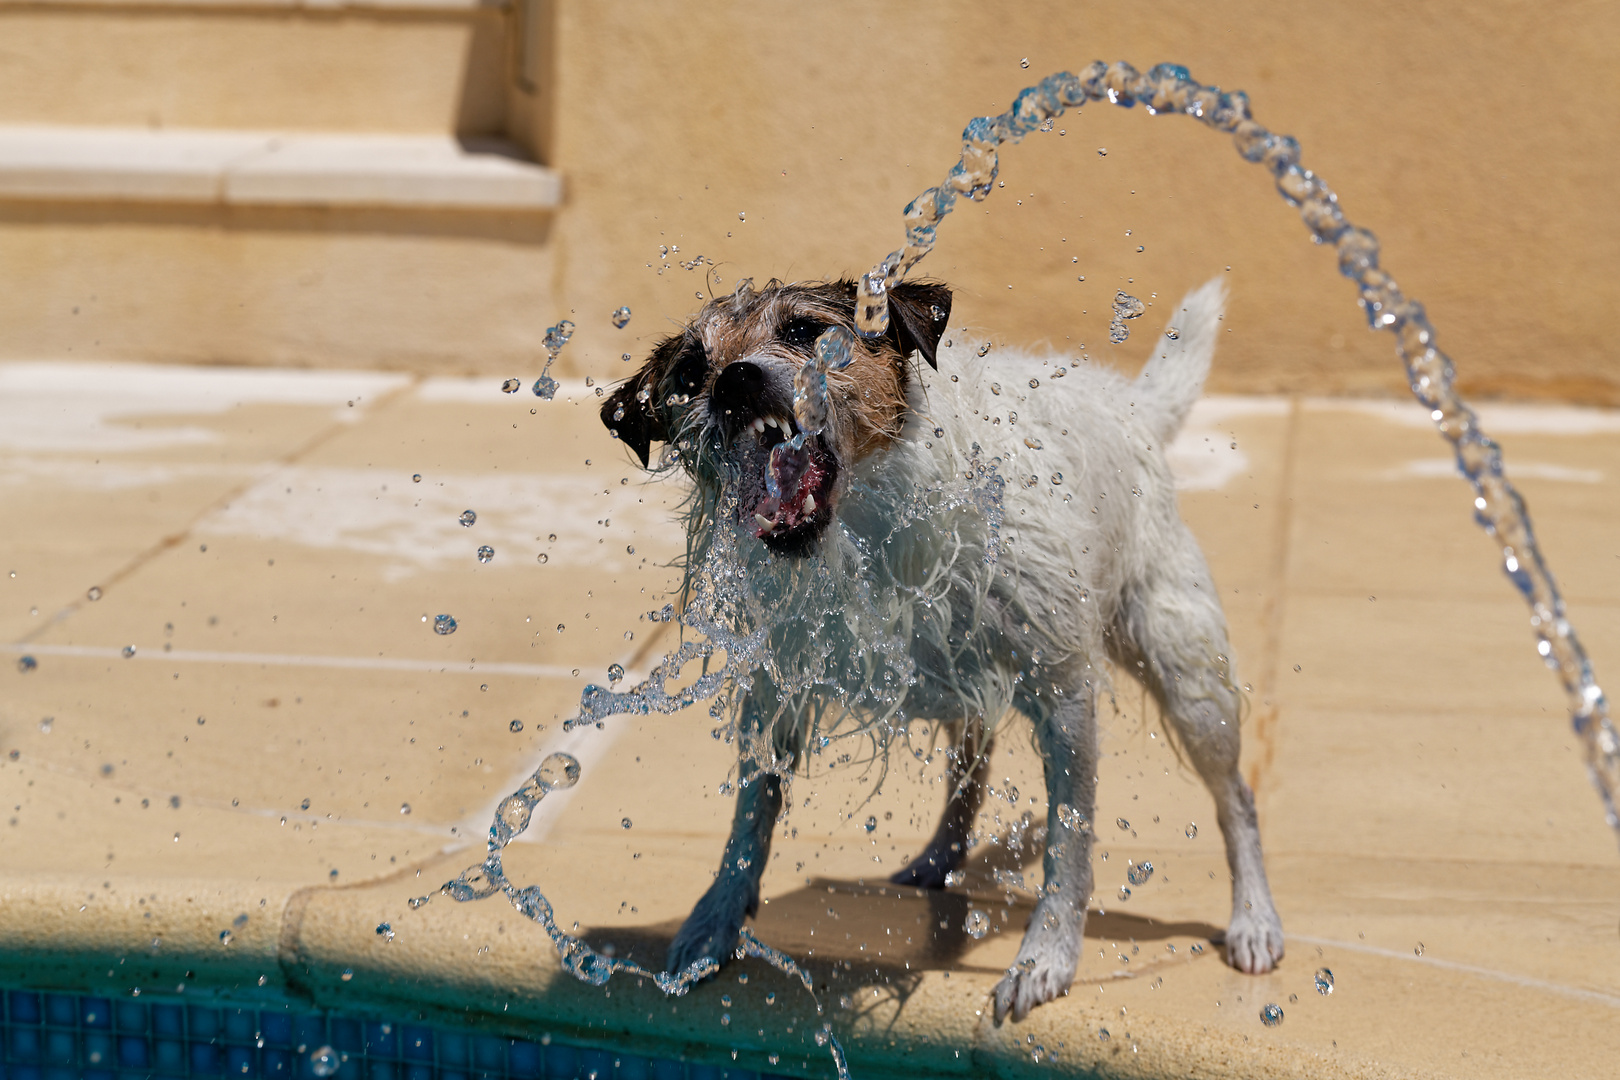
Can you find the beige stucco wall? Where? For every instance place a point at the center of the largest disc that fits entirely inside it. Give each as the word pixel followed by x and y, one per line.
pixel 1473 139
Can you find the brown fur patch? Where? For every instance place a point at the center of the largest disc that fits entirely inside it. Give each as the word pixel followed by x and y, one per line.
pixel 868 398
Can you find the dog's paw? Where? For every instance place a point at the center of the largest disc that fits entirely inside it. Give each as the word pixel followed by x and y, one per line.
pixel 710 931
pixel 1254 941
pixel 929 869
pixel 1046 961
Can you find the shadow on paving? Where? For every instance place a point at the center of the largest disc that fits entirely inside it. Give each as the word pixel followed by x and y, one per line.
pixel 857 933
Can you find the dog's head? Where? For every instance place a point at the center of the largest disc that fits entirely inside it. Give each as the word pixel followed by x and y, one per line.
pixel 721 391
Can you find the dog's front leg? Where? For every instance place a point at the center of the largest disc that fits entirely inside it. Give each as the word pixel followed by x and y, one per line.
pixel 1050 953
pixel 711 930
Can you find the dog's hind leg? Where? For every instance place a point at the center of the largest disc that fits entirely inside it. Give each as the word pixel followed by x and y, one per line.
pixel 1066 734
pixel 1175 625
pixel 711 930
pixel 969 765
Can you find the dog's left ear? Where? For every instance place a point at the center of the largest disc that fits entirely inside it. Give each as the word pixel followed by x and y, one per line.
pixel 918 312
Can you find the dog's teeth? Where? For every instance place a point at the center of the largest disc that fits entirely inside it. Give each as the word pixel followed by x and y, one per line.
pixel 809 505
pixel 765 522
pixel 769 421
pixel 758 426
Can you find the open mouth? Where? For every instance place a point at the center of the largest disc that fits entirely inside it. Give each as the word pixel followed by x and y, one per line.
pixel 787 483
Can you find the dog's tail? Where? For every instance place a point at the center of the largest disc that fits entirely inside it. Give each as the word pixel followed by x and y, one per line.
pixel 1174 378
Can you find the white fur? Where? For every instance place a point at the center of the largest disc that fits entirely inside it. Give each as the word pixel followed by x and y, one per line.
pixel 1094 564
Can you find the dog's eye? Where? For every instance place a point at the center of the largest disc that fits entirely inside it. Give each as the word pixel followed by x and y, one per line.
pixel 691 369
pixel 802 333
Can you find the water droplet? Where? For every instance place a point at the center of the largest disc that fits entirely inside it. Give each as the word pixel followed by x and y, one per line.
pixel 551 538
pixel 444 624
pixel 985 348
pixel 1323 981
pixel 467 518
pixel 558 771
pixel 404 808
pixel 557 336
pixel 561 627
pixel 416 478
pixel 995 388
pixel 94 593
pixel 46 724
pixel 621 317
pixel 1024 62
pixel 770 997
pixel 725 1019
pixel 225 937
pixel 545 387
pixel 1124 893
pixel 515 726
pixel 1197 948
pixel 1071 818
pixel 128 651
pixel 624 823
pixel 1271 1015
pixel 615 672
pixel 1102 1034
pixel 1122 823
pixel 1033 383
pixel 486 553
pixel 977 924
pixel 1296 667
pixel 1419 950
pixel 821 1038
pixel 871 824
pixel 629 549
pixel 1032 442
pixel 1191 830
pixel 1102 151
pixel 542 558
pixel 1172 333
pixel 385 931
pixel 348 973
pixel 511 386
pixel 324 1062
pixel 1138 874
pixel 1057 480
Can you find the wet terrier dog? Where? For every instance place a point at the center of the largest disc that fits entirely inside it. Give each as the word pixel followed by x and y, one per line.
pixel 1091 564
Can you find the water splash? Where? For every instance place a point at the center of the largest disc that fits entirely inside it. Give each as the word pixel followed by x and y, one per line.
pixel 1498 507
pixel 487 878
pixel 848 679
pixel 1126 307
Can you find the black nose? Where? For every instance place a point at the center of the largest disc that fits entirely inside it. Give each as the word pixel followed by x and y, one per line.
pixel 737 390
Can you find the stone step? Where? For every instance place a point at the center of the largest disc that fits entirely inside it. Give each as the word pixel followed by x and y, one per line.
pixel 247 168
pixel 410 66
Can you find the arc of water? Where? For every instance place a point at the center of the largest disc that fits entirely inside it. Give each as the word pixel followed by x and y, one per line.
pixel 1498 508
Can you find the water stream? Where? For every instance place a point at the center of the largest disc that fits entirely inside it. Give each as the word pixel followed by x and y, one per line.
pixel 862 695
pixel 1498 508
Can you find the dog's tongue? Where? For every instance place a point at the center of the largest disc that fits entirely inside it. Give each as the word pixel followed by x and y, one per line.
pixel 787 467
pixel 785 485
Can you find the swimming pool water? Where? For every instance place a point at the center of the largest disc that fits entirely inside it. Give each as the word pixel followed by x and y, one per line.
pixel 64 1036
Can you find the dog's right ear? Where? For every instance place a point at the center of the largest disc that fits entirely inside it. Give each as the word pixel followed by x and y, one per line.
pixel 628 412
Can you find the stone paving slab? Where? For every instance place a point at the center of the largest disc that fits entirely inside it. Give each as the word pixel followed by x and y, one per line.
pixel 265 548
